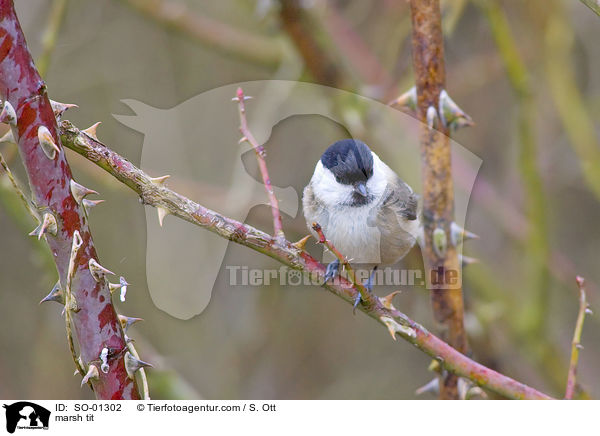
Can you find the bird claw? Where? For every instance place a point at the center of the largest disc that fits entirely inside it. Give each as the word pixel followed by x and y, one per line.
pixel 332 270
pixel 370 280
pixel 357 300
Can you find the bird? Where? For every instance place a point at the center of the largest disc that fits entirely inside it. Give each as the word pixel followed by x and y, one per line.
pixel 363 207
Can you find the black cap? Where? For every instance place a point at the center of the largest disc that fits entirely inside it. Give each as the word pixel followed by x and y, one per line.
pixel 350 161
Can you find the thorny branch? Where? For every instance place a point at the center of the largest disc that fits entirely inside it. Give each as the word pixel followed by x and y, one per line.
pixel 436 170
pixel 63 216
pixel 260 157
pixel 153 192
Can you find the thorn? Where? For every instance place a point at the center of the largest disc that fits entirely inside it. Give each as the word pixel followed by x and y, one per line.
pixel 463 387
pixel 162 213
pixel 8 114
pixel 92 373
pixel 387 300
pixel 98 271
pixel 132 365
pixel 104 359
pixel 242 140
pixel 458 234
pixel 8 138
pixel 56 294
pixel 60 108
pixel 588 311
pixel 440 243
pixel 79 191
pixel 476 392
pixel 91 131
pixel 88 204
pixel 579 346
pixel 47 142
pixel 127 321
pixel 466 260
pixel 160 180
pixel 431 117
pixel 48 225
pixel 432 387
pixel 77 241
pixel 451 115
pixel 302 242
pixel 394 327
pixel 408 100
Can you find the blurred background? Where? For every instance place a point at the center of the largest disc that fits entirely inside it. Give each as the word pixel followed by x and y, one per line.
pixel 527 73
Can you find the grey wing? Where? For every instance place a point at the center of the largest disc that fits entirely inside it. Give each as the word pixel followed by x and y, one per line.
pixel 314 210
pixel 396 219
pixel 399 198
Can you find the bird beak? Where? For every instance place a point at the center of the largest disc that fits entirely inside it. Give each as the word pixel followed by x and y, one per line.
pixel 361 188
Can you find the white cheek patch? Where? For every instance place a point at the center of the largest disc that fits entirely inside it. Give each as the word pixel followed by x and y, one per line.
pixel 327 189
pixel 378 182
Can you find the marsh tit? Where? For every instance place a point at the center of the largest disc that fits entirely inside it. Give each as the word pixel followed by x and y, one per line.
pixel 363 207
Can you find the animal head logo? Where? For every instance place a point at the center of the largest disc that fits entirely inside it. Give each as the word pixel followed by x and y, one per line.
pixel 196 142
pixel 26 415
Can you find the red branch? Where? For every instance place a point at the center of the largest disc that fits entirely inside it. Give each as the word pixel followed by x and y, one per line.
pixel 95 322
pixel 367 297
pixel 260 157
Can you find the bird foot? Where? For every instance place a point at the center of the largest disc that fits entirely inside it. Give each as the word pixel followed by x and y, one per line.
pixel 332 270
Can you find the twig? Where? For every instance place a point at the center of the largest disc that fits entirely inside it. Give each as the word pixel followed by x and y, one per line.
pixel 436 170
pixel 29 112
pixel 302 30
pixel 18 189
pixel 594 5
pixel 211 33
pixel 367 297
pixel 158 195
pixel 364 62
pixel 568 98
pixel 260 157
pixel 576 344
pixel 55 20
pixel 533 309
